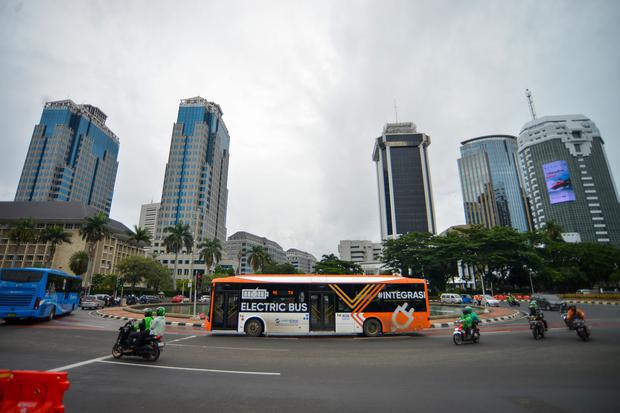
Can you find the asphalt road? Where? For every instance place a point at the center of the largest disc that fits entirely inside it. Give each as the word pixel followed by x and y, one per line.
pixel 508 371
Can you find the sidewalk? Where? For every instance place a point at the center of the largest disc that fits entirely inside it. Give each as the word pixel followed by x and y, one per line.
pixel 495 314
pixel 122 314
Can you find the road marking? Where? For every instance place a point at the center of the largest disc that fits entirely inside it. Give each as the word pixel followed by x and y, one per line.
pixel 257 373
pixel 81 363
pixel 225 348
pixel 180 339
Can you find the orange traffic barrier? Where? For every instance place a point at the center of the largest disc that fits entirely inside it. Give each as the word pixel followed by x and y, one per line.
pixel 23 391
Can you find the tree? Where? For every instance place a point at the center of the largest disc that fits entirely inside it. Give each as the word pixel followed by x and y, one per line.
pixel 55 235
pixel 141 236
pixel 179 236
pixel 22 232
pixel 274 268
pixel 92 231
pixel 258 257
pixel 78 262
pixel 330 264
pixel 210 252
pixel 134 269
pixel 223 272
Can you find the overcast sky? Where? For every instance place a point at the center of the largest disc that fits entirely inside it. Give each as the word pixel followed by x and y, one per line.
pixel 305 87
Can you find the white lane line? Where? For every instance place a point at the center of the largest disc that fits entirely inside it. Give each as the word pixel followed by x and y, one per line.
pixel 226 348
pixel 81 363
pixel 76 324
pixel 257 373
pixel 180 339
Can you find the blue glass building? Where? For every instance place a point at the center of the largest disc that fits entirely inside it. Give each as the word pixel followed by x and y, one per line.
pixel 195 184
pixel 72 157
pixel 491 184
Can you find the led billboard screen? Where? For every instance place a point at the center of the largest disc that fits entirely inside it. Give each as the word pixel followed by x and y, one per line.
pixel 559 185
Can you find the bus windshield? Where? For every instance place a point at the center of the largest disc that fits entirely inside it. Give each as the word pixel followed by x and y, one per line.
pixel 21 276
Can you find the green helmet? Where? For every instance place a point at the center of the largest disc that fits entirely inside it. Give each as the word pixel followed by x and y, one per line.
pixel 467 310
pixel 148 312
pixel 161 311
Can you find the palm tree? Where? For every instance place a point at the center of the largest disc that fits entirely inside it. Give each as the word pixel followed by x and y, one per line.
pixel 92 231
pixel 141 236
pixel 553 231
pixel 78 263
pixel 179 236
pixel 258 257
pixel 210 252
pixel 55 235
pixel 22 232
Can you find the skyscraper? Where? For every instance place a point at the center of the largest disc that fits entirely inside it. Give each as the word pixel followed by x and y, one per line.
pixel 491 183
pixel 403 178
pixel 148 217
pixel 567 178
pixel 195 190
pixel 72 157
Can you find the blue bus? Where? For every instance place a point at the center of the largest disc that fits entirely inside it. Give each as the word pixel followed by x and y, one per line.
pixel 39 293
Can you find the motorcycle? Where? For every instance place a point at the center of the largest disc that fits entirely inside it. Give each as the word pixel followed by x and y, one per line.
pixel 149 350
pixel 514 303
pixel 537 326
pixel 579 325
pixel 460 335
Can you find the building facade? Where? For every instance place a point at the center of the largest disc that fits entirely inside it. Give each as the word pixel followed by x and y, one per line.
pixel 239 246
pixel 404 182
pixel 567 178
pixel 491 183
pixel 70 216
pixel 195 183
pixel 304 262
pixel 365 253
pixel 148 217
pixel 72 157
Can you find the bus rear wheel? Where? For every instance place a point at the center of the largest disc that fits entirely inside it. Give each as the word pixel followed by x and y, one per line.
pixel 254 328
pixel 372 327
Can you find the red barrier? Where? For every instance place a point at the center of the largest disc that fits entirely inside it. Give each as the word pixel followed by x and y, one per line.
pixel 23 391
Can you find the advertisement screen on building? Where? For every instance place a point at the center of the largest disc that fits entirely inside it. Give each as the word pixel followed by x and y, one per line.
pixel 559 185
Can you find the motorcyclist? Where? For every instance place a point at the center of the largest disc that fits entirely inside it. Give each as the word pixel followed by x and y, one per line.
pixel 510 299
pixel 469 319
pixel 536 314
pixel 142 329
pixel 573 314
pixel 158 325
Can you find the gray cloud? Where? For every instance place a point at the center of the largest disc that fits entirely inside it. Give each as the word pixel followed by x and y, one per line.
pixel 305 88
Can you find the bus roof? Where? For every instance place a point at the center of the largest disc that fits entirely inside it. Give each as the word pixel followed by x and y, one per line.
pixel 39 269
pixel 319 279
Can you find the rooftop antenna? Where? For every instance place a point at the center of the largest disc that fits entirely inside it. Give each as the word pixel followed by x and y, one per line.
pixel 530 102
pixel 395 111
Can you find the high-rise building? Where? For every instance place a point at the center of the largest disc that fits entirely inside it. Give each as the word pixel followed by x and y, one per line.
pixel 304 262
pixel 404 181
pixel 567 178
pixel 366 254
pixel 195 184
pixel 148 217
pixel 239 246
pixel 72 157
pixel 493 194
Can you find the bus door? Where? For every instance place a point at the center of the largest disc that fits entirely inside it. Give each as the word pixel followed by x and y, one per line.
pixel 322 311
pixel 226 310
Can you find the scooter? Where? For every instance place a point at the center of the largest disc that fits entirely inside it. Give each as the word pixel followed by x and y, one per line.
pixel 149 350
pixel 460 335
pixel 537 326
pixel 514 303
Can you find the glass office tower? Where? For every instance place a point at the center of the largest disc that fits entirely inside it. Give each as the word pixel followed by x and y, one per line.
pixel 72 157
pixel 491 184
pixel 404 181
pixel 195 184
pixel 567 178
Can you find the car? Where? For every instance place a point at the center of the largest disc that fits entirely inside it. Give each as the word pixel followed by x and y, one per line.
pixel 205 299
pixel 91 302
pixel 177 299
pixel 549 302
pixel 103 297
pixel 489 301
pixel 448 298
pixel 148 299
pixel 585 291
pixel 466 299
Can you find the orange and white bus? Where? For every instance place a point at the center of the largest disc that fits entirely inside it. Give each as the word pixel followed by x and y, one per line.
pixel 305 304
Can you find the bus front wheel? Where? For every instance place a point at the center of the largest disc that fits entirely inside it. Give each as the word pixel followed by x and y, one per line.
pixel 254 328
pixel 372 327
pixel 52 314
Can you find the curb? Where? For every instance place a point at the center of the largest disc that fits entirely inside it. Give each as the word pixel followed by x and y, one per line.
pixel 482 321
pixel 592 302
pixel 168 323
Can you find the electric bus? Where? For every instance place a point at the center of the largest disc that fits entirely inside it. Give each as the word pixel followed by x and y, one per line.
pixel 296 304
pixel 39 293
